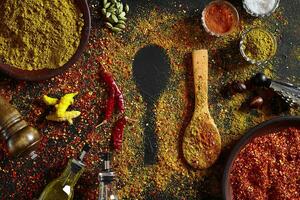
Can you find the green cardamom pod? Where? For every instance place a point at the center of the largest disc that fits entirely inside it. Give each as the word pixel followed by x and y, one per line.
pixel 111 9
pixel 127 8
pixel 108 14
pixel 103 11
pixel 114 18
pixel 110 20
pixel 122 22
pixel 108 25
pixel 121 26
pixel 107 5
pixel 120 9
pixel 122 18
pixel 116 30
pixel 123 14
pixel 104 2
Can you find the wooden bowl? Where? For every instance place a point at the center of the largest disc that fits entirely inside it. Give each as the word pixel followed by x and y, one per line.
pixel 43 74
pixel 262 129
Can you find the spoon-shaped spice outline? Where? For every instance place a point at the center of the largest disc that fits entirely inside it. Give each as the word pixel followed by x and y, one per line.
pixel 151 71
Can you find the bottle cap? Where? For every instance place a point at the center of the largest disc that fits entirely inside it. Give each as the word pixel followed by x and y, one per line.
pixel 86 148
pixel 106 177
pixel 76 165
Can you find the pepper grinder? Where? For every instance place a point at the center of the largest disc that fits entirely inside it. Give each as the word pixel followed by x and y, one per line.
pixel 21 139
pixel 289 92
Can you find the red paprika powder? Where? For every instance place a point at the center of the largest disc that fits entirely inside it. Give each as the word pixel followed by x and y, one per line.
pixel 268 167
pixel 220 17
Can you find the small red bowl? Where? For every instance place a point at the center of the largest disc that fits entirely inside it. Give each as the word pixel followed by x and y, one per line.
pixel 43 74
pixel 261 129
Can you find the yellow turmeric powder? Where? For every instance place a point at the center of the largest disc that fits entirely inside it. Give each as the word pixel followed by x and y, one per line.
pixel 39 34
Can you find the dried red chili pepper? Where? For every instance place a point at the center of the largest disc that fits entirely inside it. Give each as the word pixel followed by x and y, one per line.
pixel 115 97
pixel 110 82
pixel 117 133
pixel 119 99
pixel 110 105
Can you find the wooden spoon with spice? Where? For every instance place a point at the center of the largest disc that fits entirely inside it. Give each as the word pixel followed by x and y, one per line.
pixel 201 141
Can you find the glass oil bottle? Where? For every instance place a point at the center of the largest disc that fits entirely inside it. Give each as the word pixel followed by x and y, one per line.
pixel 62 188
pixel 107 187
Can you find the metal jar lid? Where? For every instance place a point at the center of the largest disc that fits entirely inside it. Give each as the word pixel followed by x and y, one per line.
pixel 253 13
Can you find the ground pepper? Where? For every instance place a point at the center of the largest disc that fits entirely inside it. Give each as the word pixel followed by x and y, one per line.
pixel 268 167
pixel 39 34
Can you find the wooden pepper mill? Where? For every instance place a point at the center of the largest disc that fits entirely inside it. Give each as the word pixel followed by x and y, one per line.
pixel 21 139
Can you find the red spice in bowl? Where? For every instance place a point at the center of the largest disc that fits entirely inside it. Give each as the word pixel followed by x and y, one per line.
pixel 220 18
pixel 268 167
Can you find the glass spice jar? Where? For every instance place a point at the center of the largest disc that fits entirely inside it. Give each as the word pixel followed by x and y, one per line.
pixel 220 18
pixel 258 45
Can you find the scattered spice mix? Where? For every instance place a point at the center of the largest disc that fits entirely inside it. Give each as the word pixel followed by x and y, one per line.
pixel 268 167
pixel 170 176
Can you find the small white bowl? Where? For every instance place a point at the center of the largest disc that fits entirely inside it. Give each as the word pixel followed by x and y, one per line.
pixel 253 13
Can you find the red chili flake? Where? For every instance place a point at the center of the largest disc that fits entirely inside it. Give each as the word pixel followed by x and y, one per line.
pixel 14 174
pixel 268 167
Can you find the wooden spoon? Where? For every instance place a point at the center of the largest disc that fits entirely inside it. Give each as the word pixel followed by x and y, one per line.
pixel 201 141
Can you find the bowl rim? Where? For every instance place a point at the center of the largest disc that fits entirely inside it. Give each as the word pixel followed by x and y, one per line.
pixel 44 74
pixel 251 133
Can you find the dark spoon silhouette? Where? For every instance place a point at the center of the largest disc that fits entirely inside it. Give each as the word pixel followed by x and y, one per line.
pixel 151 72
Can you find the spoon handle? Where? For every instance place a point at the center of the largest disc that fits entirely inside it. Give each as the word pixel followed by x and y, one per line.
pixel 150 137
pixel 200 68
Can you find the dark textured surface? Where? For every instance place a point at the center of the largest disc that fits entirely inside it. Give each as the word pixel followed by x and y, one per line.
pixel 24 179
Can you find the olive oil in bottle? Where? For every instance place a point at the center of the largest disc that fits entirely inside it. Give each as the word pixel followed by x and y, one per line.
pixel 62 188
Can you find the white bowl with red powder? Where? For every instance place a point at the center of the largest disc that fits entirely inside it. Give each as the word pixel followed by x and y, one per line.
pixel 220 18
pixel 264 164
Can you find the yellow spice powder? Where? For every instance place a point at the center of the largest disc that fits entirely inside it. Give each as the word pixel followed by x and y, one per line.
pixel 39 34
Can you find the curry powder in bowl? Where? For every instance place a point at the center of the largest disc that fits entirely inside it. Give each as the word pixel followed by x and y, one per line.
pixel 41 35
